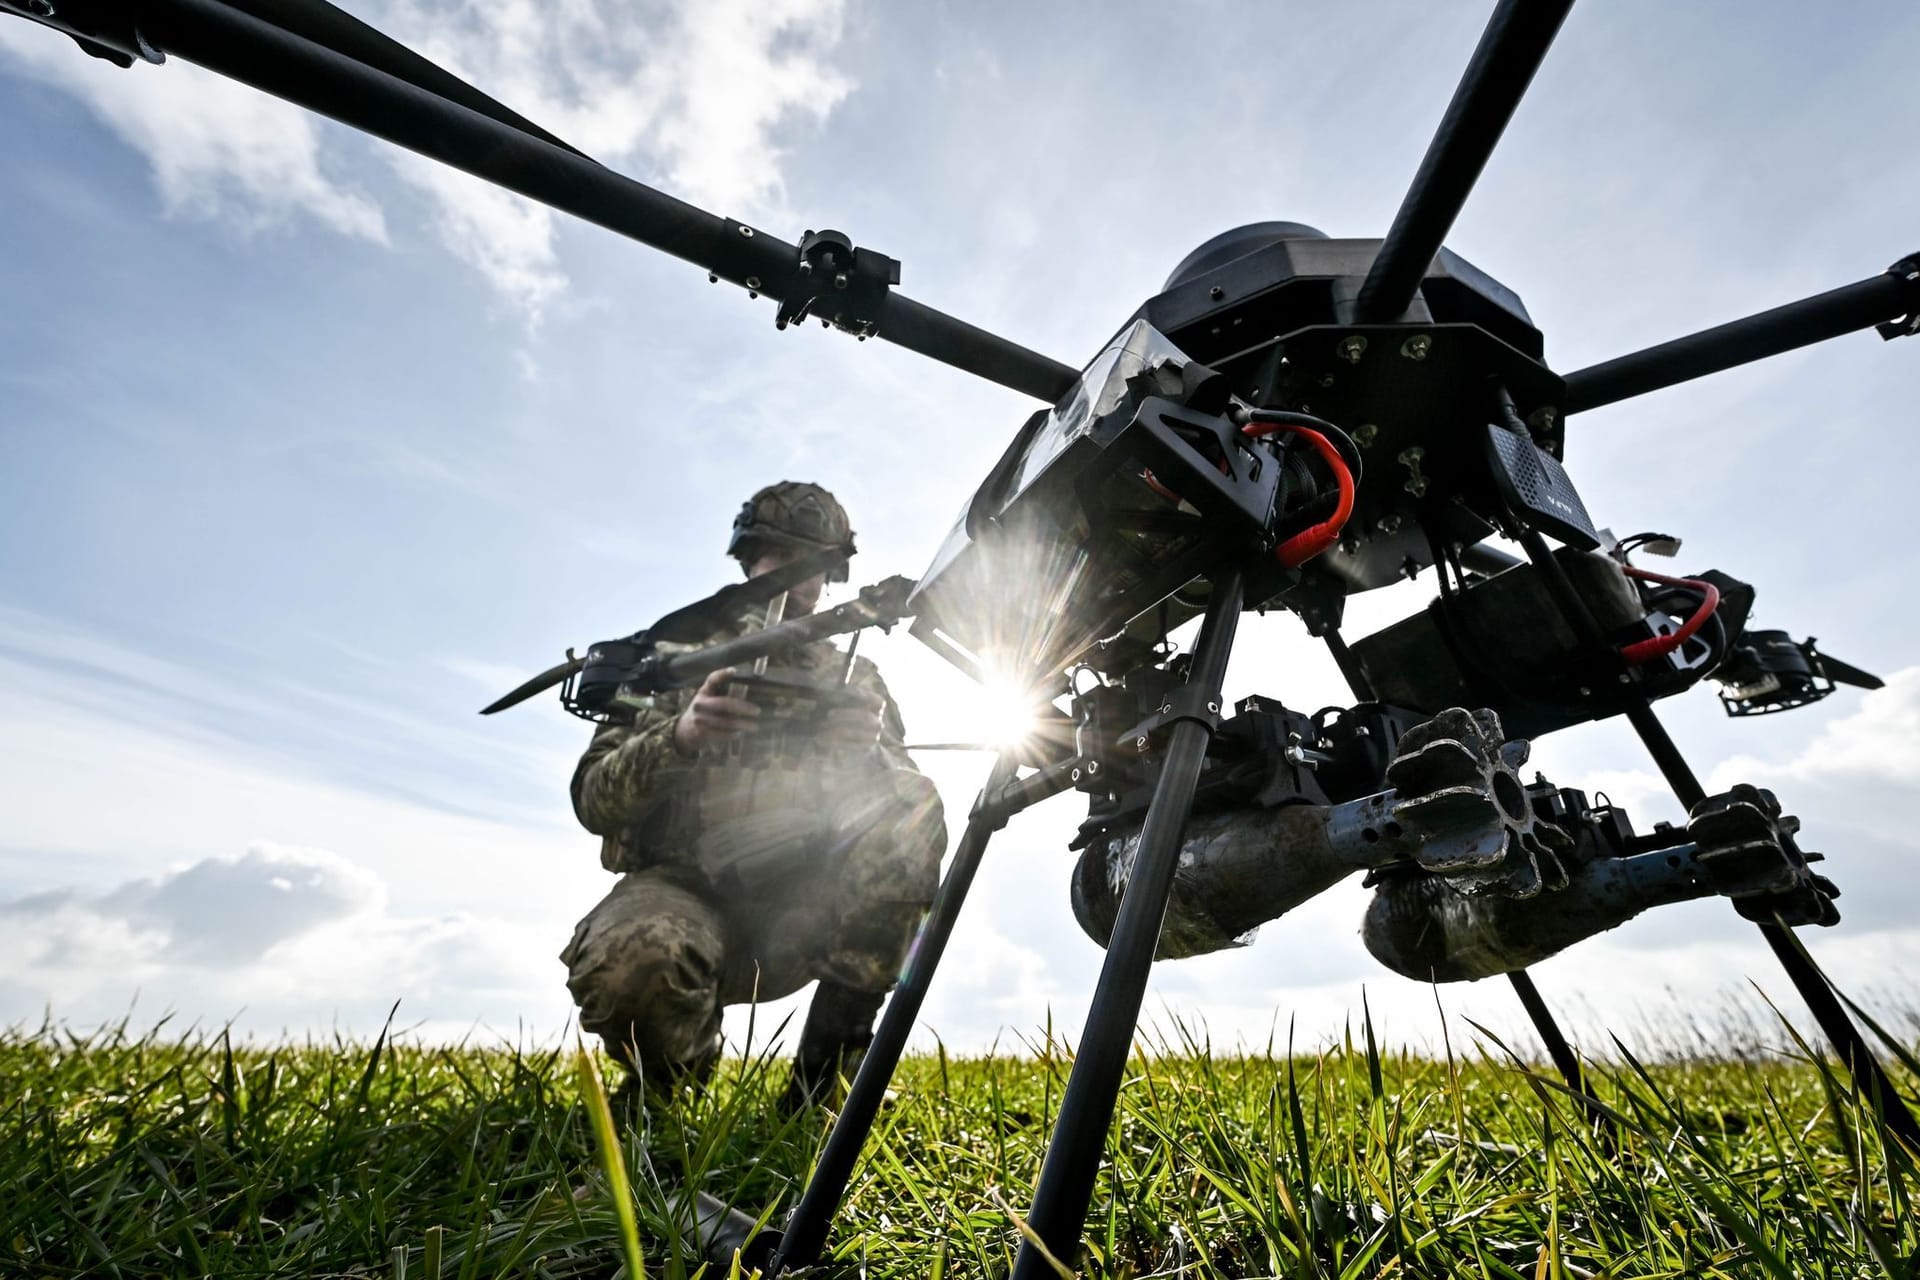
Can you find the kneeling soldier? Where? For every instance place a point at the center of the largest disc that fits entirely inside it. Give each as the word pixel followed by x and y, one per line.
pixel 759 847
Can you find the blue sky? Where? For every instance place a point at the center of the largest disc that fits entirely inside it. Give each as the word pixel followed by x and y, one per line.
pixel 306 451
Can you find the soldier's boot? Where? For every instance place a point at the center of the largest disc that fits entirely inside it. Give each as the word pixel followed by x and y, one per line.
pixel 838 1030
pixel 641 1093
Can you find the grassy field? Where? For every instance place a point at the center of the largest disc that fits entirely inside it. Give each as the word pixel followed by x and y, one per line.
pixel 141 1155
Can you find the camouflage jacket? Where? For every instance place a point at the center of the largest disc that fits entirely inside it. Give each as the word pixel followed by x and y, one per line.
pixel 645 799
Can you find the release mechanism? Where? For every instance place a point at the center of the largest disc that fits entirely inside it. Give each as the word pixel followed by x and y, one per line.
pixel 844 286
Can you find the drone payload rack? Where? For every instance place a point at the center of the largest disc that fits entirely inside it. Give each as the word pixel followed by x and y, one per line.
pixel 1163 497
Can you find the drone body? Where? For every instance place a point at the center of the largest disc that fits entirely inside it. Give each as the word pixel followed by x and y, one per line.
pixel 1171 497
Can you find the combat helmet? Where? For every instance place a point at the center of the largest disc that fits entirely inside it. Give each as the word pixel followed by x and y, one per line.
pixel 791 513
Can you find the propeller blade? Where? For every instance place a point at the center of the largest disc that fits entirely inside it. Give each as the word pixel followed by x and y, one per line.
pixel 696 623
pixel 546 680
pixel 1846 673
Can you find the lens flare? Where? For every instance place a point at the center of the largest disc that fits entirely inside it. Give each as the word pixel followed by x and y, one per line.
pixel 1007 714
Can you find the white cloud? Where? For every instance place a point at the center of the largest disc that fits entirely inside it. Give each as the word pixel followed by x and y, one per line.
pixel 699 92
pixel 506 238
pixel 1878 744
pixel 218 148
pixel 277 937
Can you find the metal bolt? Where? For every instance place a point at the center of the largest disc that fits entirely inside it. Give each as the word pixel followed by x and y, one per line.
pixel 840 280
pixel 1352 347
pixel 713 277
pixel 805 268
pixel 1416 483
pixel 1364 434
pixel 1076 775
pixel 1389 523
pixel 825 323
pixel 1213 708
pixel 1216 293
pixel 1416 347
pixel 746 233
pixel 1093 767
pixel 753 282
pixel 1543 418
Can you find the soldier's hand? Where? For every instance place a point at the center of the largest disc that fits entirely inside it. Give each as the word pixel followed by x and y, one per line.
pixel 855 726
pixel 713 717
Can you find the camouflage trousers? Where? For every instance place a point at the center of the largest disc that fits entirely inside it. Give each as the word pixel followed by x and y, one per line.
pixel 755 907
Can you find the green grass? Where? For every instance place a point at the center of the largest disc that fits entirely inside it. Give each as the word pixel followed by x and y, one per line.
pixel 126 1154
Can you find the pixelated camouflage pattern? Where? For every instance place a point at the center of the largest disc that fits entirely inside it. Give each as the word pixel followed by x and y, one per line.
pixel 749 870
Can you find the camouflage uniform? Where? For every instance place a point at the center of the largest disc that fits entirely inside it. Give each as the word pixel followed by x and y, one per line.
pixel 745 872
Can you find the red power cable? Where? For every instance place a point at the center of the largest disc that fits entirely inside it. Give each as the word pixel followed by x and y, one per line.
pixel 1308 543
pixel 1659 646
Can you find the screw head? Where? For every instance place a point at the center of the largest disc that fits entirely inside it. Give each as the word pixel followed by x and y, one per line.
pixel 753 282
pixel 1216 293
pixel 1365 433
pixel 1352 347
pixel 1416 347
pixel 840 280
pixel 746 233
pixel 1389 523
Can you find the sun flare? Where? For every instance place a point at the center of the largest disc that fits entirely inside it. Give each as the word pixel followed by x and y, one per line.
pixel 993 714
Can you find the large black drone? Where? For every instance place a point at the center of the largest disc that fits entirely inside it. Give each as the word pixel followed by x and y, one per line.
pixel 1292 419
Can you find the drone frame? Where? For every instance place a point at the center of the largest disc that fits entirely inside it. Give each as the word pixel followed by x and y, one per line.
pixel 318 57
